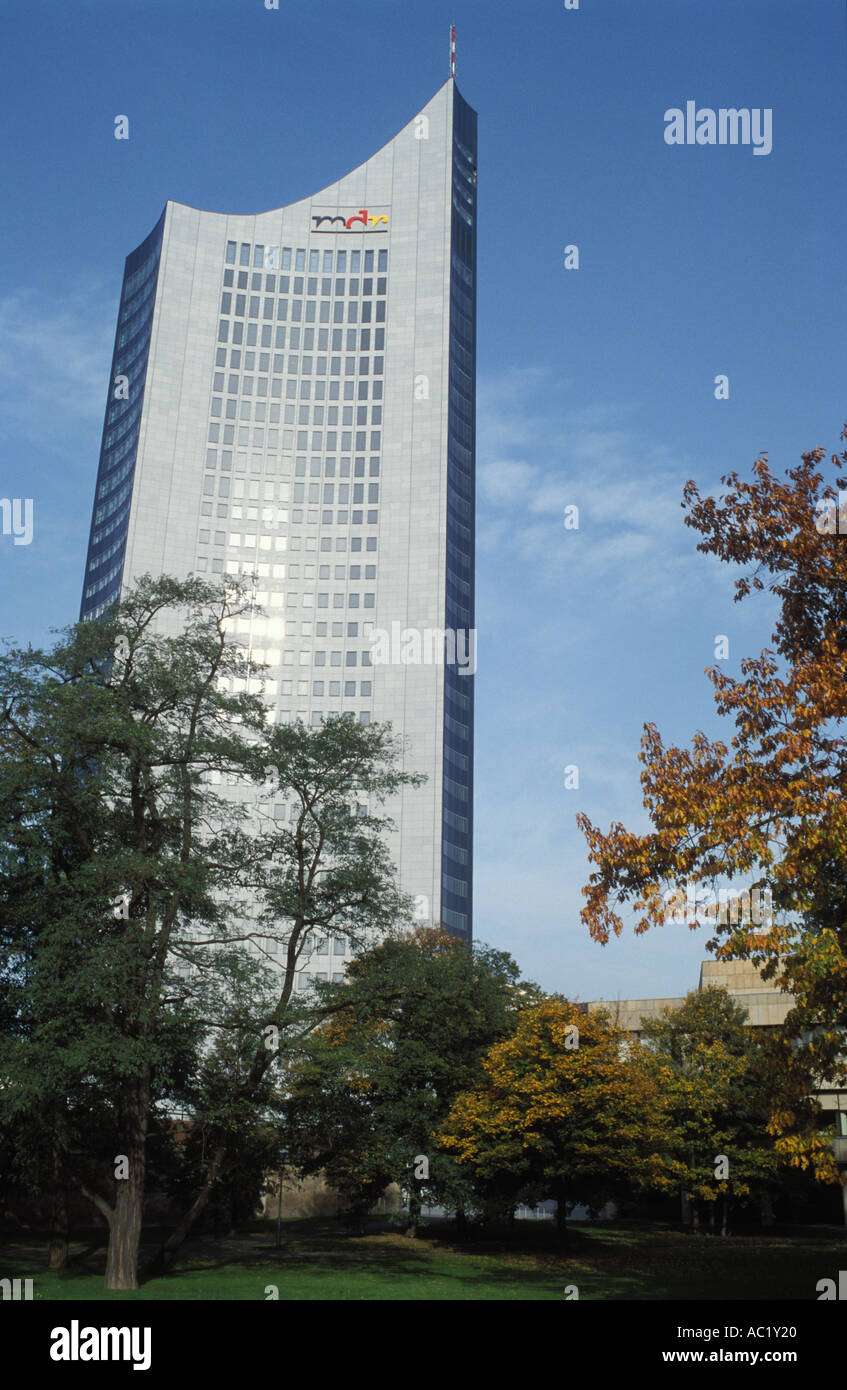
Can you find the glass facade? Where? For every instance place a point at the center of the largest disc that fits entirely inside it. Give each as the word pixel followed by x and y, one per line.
pixel 299 372
pixel 104 564
pixel 457 828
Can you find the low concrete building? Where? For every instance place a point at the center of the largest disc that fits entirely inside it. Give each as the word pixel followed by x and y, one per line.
pixel 767 1006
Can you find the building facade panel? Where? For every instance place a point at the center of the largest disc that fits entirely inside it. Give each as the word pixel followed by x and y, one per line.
pixel 307 419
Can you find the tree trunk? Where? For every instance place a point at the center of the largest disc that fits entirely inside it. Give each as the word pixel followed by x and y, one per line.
pixel 561 1219
pixel 125 1225
pixel 684 1205
pixel 168 1250
pixel 260 1063
pixel 125 1233
pixel 725 1214
pixel 414 1221
pixel 57 1253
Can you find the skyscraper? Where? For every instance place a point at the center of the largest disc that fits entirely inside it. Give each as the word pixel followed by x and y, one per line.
pixel 292 398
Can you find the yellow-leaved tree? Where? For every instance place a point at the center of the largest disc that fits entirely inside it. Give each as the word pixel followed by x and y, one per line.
pixel 568 1110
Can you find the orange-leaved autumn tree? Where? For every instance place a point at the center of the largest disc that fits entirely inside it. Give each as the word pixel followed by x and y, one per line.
pixel 768 804
pixel 567 1110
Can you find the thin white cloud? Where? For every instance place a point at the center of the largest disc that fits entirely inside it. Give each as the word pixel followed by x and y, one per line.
pixel 504 481
pixel 539 454
pixel 54 360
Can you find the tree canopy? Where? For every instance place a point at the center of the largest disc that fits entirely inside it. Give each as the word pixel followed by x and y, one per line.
pixel 142 905
pixel 408 1031
pixel 565 1110
pixel 768 804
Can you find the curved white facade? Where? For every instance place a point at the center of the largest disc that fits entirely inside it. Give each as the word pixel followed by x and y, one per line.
pixel 302 409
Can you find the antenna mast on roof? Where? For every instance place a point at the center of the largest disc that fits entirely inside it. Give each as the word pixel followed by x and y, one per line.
pixel 452 50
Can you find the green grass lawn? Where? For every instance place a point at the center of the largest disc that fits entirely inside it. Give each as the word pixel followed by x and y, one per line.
pixel 606 1262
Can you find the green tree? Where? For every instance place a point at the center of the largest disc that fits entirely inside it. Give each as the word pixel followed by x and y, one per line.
pixel 254 1127
pixel 124 945
pixel 724 1082
pixel 408 1032
pixel 326 869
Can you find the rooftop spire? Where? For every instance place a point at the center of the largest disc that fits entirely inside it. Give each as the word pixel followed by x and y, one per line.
pixel 452 50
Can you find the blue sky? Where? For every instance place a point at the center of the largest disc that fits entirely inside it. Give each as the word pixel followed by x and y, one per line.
pixel 596 384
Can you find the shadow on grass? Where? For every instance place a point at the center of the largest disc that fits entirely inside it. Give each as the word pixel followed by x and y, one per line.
pixel 316 1264
pixel 321 1260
